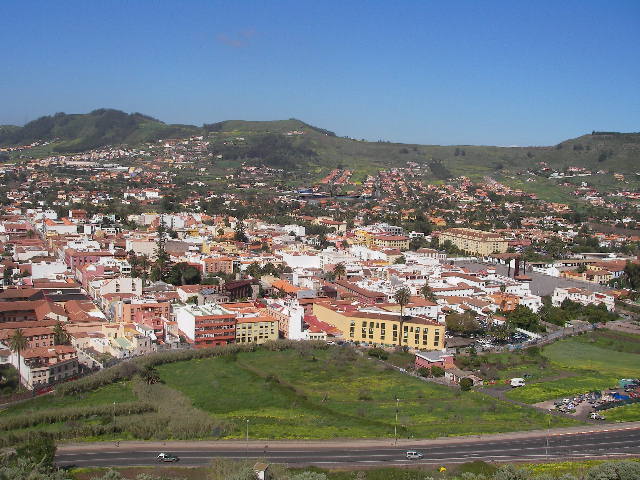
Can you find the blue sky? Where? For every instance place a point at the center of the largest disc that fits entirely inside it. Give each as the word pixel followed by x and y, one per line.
pixel 447 72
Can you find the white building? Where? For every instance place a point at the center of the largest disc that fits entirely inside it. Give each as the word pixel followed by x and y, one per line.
pixel 582 296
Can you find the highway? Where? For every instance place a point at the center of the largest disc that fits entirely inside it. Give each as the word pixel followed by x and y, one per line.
pixel 609 442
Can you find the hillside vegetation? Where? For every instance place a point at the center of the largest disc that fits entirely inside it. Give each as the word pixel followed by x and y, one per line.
pixel 285 390
pixel 263 141
pixel 80 132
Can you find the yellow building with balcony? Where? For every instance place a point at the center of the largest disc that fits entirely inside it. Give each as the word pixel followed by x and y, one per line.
pixel 379 329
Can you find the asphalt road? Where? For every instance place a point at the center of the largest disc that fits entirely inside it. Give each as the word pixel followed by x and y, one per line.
pixel 528 447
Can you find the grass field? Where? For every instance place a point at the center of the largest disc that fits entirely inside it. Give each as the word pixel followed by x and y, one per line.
pixel 593 361
pixel 627 413
pixel 612 340
pixel 302 393
pixel 323 395
pixel 574 353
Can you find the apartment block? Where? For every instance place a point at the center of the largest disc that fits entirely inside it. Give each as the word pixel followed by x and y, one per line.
pixel 475 242
pixel 207 325
pixel 381 329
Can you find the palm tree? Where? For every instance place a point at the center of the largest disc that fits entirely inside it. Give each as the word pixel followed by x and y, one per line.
pixel 339 271
pixel 17 343
pixel 402 296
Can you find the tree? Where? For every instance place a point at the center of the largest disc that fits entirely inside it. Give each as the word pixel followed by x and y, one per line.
pixel 632 273
pixel 339 271
pixel 437 371
pixel 60 335
pixel 240 235
pixel 465 384
pixel 500 332
pixel 464 323
pixel 427 293
pixel 150 375
pixel 402 296
pixel 160 268
pixel 523 317
pixel 7 276
pixel 17 343
pixel 183 274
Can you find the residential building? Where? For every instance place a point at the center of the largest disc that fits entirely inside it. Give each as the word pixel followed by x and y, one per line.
pixel 475 242
pixel 207 325
pixel 381 329
pixel 132 308
pixel 585 297
pixel 218 264
pixel 256 329
pixel 43 365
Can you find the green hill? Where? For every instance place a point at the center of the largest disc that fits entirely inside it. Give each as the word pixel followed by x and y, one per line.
pixel 609 152
pixel 317 148
pixel 80 132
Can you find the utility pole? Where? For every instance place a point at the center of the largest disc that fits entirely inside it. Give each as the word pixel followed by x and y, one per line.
pixel 395 425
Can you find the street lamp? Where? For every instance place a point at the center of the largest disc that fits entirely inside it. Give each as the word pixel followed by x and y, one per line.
pixel 395 425
pixel 247 438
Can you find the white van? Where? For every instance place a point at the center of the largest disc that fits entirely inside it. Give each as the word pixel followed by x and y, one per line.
pixel 517 382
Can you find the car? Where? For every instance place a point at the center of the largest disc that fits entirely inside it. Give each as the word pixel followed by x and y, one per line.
pixel 167 457
pixel 596 416
pixel 413 455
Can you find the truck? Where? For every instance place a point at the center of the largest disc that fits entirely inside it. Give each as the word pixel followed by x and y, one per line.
pixel 517 382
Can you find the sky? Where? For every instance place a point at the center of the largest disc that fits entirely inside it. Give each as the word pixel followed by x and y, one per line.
pixel 448 72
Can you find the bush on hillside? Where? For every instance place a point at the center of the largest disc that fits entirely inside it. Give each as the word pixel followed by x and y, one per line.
pixel 378 353
pixel 466 384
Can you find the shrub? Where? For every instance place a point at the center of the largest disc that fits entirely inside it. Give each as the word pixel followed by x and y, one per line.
pixel 364 395
pixel 424 372
pixel 39 447
pixel 466 384
pixel 437 371
pixel 378 353
pixel 615 470
pixel 73 413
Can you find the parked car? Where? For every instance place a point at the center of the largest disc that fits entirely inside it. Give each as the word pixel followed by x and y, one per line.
pixel 413 455
pixel 596 416
pixel 167 457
